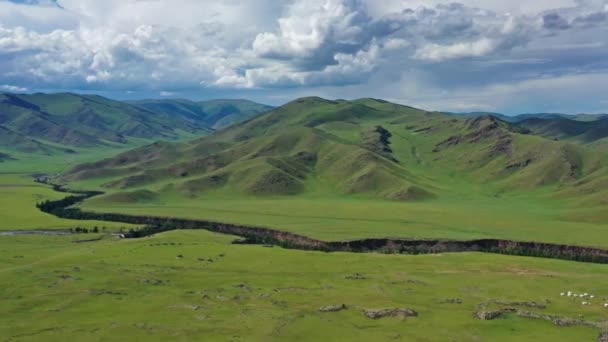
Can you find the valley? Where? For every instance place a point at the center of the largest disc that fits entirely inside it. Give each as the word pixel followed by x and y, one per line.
pixel 330 172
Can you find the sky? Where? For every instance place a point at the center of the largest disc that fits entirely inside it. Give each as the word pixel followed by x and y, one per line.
pixel 515 56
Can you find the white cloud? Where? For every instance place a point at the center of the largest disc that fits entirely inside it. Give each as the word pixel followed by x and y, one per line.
pixel 436 52
pixel 12 88
pixel 178 45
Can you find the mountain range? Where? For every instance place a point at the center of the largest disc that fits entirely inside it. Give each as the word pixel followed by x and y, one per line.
pixel 66 123
pixel 590 129
pixel 361 148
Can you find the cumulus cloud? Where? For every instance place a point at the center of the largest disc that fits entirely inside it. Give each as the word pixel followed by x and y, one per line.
pixel 188 45
pixel 12 88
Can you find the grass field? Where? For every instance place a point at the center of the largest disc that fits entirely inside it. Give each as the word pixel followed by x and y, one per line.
pixel 18 197
pixel 347 218
pixel 56 290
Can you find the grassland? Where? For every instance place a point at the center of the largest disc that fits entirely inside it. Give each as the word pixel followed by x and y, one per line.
pixel 346 218
pixel 18 197
pixel 193 285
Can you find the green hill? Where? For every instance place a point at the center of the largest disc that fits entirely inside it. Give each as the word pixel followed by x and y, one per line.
pixel 544 116
pixel 87 120
pixel 49 131
pixel 586 132
pixel 216 114
pixel 364 148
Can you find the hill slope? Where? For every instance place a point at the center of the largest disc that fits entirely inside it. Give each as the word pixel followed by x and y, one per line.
pixel 216 114
pixel 544 116
pixel 87 120
pixel 586 132
pixel 366 147
pixel 48 131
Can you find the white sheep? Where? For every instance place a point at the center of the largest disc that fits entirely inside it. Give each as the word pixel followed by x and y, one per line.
pixel 585 303
pixel 562 294
pixel 591 296
pixel 569 294
pixel 585 294
pixel 606 305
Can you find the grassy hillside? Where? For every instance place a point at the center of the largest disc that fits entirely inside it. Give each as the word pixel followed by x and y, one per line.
pixel 48 132
pixel 216 114
pixel 86 120
pixel 586 132
pixel 342 169
pixel 365 147
pixel 543 116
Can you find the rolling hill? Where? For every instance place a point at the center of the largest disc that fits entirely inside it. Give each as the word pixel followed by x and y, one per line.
pixel 216 114
pixel 544 116
pixel 585 132
pixel 85 127
pixel 364 148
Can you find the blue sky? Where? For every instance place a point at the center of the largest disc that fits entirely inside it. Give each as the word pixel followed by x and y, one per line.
pixel 475 55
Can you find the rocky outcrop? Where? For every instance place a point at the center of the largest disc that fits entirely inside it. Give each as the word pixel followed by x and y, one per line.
pixel 332 308
pixel 397 312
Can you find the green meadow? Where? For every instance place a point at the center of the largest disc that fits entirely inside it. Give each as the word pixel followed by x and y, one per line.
pixel 18 197
pixel 195 285
pixel 340 218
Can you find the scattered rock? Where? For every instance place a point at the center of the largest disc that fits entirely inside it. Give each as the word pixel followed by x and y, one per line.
pixel 356 276
pixel 526 304
pixel 490 315
pixel 416 282
pixel 451 301
pixel 603 337
pixel 66 277
pixel 153 281
pixel 279 303
pixel 332 308
pixel 397 312
pixel 243 287
pixel 557 320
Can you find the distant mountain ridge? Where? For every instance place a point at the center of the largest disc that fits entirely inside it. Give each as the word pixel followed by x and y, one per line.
pixel 216 114
pixel 49 124
pixel 589 129
pixel 522 117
